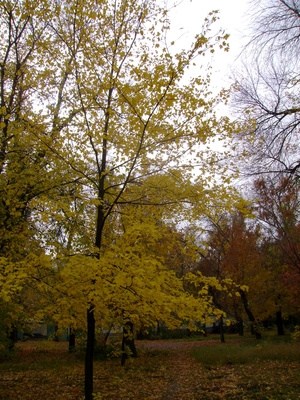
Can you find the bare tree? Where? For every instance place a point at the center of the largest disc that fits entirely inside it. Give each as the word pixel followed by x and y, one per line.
pixel 276 27
pixel 266 90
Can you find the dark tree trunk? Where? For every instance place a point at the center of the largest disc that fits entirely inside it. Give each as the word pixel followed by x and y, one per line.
pixel 241 327
pixel 158 329
pixel 240 323
pixel 124 355
pixel 56 338
pixel 253 323
pixel 91 324
pixel 101 217
pixel 71 340
pixel 89 354
pixel 106 336
pixel 128 342
pixel 279 323
pixel 140 334
pixel 12 335
pixel 221 325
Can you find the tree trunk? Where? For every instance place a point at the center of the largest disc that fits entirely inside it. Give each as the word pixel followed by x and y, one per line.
pixel 128 342
pixel 12 335
pixel 91 324
pixel 71 340
pixel 253 323
pixel 140 334
pixel 89 354
pixel 241 327
pixel 240 323
pixel 279 323
pixel 106 336
pixel 221 325
pixel 124 355
pixel 158 329
pixel 56 338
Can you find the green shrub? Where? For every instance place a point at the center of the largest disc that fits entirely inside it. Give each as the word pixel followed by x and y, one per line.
pixel 104 351
pixel 296 334
pixel 5 342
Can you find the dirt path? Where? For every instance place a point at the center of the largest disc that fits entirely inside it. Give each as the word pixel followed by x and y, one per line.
pixel 181 384
pixel 184 375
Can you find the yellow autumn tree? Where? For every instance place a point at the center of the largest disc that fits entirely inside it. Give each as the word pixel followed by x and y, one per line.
pixel 28 169
pixel 133 282
pixel 102 101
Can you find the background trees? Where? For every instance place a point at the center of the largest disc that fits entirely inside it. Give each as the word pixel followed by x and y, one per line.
pixel 233 253
pixel 266 90
pixel 278 212
pixel 265 95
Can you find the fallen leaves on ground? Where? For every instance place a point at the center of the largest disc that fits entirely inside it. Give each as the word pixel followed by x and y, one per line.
pixel 164 370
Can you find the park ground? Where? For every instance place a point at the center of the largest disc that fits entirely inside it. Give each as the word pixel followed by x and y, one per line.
pixel 164 370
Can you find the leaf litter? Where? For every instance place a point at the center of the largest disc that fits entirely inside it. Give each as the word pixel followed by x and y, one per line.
pixel 165 370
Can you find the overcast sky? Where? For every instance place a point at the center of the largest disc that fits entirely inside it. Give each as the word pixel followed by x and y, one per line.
pixel 187 19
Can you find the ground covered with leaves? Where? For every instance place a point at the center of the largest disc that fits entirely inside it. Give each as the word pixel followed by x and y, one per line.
pixel 165 370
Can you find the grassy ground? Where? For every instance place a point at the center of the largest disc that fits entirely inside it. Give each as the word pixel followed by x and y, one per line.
pixel 165 370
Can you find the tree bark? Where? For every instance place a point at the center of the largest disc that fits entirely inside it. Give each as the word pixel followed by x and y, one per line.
pixel 56 338
pixel 71 340
pixel 158 329
pixel 241 327
pixel 91 324
pixel 253 323
pixel 89 354
pixel 221 325
pixel 240 323
pixel 106 336
pixel 279 323
pixel 12 335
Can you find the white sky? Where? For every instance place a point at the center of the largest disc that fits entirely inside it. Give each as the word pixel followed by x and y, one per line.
pixel 187 19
